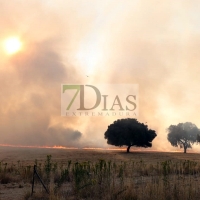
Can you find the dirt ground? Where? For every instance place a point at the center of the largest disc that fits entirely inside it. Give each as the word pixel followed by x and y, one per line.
pixel 27 156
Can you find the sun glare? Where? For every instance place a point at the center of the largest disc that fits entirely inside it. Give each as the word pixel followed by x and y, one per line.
pixel 12 45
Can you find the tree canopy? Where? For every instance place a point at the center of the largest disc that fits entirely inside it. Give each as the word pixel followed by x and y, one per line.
pixel 183 135
pixel 129 132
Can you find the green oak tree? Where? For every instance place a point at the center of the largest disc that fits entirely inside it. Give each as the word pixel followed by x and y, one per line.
pixel 129 132
pixel 183 135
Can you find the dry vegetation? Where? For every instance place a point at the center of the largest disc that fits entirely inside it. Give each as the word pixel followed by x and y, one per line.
pixel 106 175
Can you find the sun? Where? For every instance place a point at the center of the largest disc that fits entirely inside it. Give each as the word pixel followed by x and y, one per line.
pixel 12 45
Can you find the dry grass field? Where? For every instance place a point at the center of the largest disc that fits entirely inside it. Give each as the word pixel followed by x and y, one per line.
pixel 98 174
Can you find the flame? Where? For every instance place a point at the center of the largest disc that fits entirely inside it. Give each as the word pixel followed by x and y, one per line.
pixel 85 148
pixel 98 148
pixel 37 147
pixel 60 147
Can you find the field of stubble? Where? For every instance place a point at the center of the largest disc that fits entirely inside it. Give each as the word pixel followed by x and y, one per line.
pixel 92 174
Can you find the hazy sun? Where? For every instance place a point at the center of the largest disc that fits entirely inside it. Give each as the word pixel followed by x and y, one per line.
pixel 12 45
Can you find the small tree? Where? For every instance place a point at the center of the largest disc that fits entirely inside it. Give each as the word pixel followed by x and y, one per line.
pixel 129 132
pixel 183 135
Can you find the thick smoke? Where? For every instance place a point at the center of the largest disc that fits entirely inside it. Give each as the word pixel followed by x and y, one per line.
pixel 153 44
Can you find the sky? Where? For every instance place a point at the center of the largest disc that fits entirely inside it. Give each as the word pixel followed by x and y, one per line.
pixel 155 44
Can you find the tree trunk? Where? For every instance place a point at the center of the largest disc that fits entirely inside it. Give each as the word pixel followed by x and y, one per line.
pixel 185 148
pixel 128 148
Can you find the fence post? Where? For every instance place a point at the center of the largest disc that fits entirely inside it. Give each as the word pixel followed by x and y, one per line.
pixel 35 172
pixel 33 181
